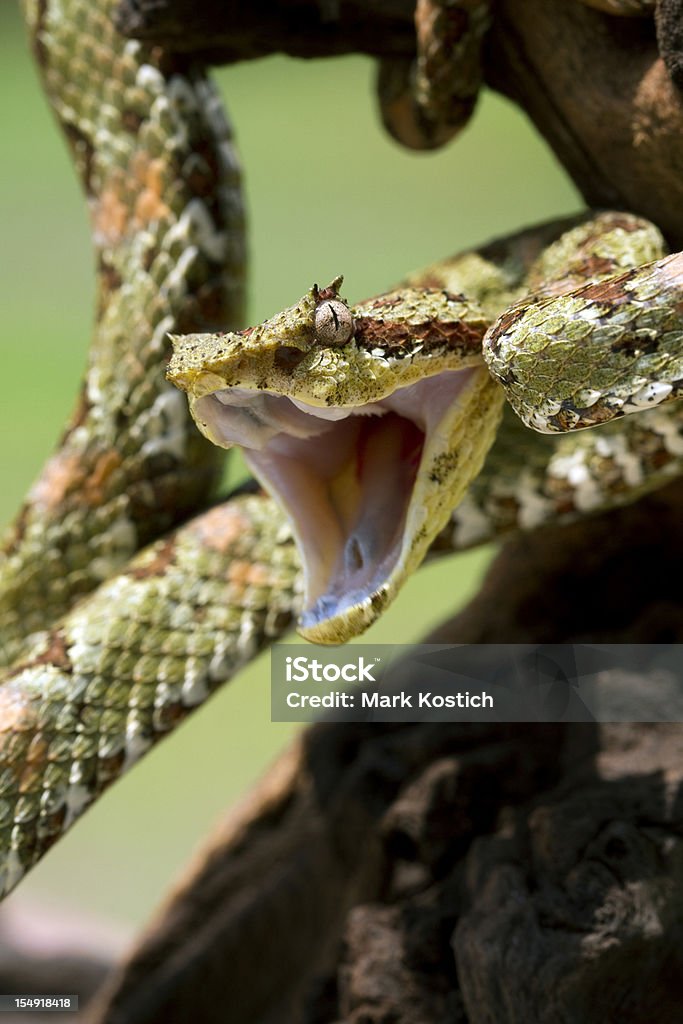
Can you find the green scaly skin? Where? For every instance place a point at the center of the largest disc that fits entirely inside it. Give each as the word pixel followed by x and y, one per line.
pixel 355 560
pixel 100 687
pixel 92 694
pixel 154 153
pixel 608 349
pixel 286 376
pixel 153 150
pixel 102 682
pixel 426 101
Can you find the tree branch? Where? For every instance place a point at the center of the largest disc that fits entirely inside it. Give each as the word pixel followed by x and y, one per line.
pixel 386 872
pixel 427 873
pixel 597 89
pixel 594 84
pixel 223 31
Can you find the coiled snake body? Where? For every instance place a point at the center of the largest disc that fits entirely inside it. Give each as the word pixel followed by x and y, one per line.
pixel 107 675
pixel 369 422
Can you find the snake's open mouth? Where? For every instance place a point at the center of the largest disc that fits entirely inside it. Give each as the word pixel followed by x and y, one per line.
pixel 356 483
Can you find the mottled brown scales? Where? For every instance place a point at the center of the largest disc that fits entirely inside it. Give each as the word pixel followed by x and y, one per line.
pixel 110 278
pixel 397 298
pixel 219 528
pixel 600 412
pixel 625 221
pixel 564 419
pixel 232 547
pixel 569 418
pixel 248 574
pixel 150 204
pixel 164 552
pixel 55 653
pixel 394 337
pixel 502 326
pixel 592 266
pixel 17 716
pixel 38 750
pixel 96 484
pixel 610 292
pixel 381 303
pixel 62 474
pixel 111 214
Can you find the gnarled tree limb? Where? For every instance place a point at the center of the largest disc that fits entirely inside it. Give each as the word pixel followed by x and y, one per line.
pixel 467 874
pixel 594 84
pixel 384 873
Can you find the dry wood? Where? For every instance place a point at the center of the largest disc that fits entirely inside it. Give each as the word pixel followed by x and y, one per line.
pixel 351 887
pixel 595 85
pixel 431 874
pixel 228 30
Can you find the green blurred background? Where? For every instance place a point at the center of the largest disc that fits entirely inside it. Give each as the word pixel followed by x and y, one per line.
pixel 327 193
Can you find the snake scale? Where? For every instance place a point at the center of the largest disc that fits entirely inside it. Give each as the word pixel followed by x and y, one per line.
pixel 93 681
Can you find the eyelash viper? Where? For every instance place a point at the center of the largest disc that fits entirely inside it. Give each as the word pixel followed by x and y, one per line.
pixel 96 680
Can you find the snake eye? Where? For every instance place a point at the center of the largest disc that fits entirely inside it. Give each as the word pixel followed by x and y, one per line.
pixel 333 323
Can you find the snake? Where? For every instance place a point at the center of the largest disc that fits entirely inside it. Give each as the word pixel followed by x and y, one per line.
pixel 368 422
pixel 130 588
pixel 427 100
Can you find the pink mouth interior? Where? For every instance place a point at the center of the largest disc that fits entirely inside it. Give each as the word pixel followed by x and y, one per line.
pixel 345 476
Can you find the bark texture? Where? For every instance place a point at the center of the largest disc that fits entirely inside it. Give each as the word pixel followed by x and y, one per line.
pixel 601 89
pixel 430 874
pixel 229 30
pixel 444 874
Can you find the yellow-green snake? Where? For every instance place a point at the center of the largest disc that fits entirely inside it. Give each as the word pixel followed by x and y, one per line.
pixel 93 681
pixel 369 422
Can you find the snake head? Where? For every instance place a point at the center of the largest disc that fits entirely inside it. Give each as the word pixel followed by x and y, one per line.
pixel 301 347
pixel 199 361
pixel 366 424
